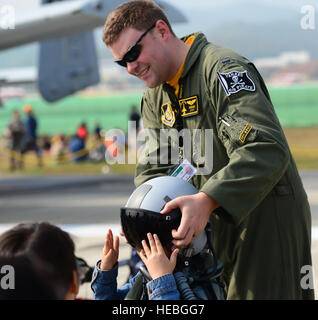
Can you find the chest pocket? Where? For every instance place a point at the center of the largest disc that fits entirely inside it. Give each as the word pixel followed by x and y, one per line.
pixel 236 132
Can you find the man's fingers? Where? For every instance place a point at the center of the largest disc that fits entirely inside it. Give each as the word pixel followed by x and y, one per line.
pixel 185 241
pixel 183 229
pixel 173 204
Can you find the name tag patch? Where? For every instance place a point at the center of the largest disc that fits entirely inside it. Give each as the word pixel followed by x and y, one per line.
pixel 235 81
pixel 167 115
pixel 189 106
pixel 245 132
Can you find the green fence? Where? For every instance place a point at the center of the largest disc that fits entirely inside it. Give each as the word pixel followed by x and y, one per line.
pixel 66 115
pixel 296 106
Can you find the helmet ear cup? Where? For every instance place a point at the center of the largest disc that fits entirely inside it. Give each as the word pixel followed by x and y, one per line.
pixel 136 223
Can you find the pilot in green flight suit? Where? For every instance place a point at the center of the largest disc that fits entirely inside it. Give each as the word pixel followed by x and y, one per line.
pixel 262 222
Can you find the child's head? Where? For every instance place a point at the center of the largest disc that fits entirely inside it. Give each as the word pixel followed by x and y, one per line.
pixel 51 248
pixel 24 280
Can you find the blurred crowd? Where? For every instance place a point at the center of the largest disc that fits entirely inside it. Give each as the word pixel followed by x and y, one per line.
pixel 21 137
pixel 41 256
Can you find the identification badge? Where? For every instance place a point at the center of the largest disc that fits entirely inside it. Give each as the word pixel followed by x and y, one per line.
pixel 189 106
pixel 184 171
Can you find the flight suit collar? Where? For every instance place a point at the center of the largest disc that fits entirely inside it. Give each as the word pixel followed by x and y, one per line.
pixel 200 41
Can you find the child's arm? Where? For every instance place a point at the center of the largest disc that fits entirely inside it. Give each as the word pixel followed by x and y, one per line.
pixel 104 282
pixel 160 268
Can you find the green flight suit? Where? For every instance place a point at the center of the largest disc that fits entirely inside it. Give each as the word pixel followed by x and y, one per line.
pixel 262 231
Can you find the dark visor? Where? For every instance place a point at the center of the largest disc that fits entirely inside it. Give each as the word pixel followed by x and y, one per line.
pixel 136 223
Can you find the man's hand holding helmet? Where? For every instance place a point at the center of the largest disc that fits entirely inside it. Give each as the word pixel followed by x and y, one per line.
pixel 196 210
pixel 170 207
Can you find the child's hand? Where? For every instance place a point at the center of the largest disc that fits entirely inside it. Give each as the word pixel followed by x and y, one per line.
pixel 155 258
pixel 110 252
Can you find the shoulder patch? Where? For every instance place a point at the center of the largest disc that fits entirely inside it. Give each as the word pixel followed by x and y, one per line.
pixel 167 115
pixel 235 81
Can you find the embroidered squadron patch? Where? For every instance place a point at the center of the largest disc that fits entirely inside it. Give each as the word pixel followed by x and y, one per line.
pixel 189 106
pixel 244 133
pixel 235 81
pixel 167 115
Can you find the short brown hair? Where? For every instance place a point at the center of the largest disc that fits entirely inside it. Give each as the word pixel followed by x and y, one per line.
pixel 138 14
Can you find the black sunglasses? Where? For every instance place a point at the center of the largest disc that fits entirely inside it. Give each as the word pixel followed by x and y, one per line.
pixel 133 52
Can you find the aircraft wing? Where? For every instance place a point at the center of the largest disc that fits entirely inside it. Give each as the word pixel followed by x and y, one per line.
pixel 14 76
pixel 60 19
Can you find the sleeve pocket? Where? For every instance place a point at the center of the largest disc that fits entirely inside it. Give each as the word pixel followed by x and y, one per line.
pixel 236 130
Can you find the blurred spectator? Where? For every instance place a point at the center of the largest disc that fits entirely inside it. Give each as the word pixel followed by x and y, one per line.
pixel 97 152
pixel 77 149
pixel 58 149
pixel 134 116
pixel 115 143
pixel 97 131
pixel 30 141
pixel 15 133
pixel 52 251
pixel 134 124
pixel 46 144
pixel 82 131
pixel 24 281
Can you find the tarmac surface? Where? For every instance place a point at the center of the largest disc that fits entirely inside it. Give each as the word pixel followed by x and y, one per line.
pixel 86 206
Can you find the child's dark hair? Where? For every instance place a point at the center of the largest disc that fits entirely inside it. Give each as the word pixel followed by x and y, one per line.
pixel 51 248
pixel 27 283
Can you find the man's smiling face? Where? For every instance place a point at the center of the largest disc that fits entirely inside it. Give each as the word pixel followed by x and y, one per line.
pixel 152 65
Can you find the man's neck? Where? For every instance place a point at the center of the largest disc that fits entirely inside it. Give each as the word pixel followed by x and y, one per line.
pixel 179 51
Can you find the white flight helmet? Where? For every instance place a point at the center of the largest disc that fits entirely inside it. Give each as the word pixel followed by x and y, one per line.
pixel 142 213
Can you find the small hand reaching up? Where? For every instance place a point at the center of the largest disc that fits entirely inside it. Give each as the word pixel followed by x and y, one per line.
pixel 155 258
pixel 110 251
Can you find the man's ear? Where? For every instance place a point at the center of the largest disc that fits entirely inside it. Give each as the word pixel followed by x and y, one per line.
pixel 163 30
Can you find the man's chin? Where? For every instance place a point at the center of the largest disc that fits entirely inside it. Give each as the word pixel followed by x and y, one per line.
pixel 152 84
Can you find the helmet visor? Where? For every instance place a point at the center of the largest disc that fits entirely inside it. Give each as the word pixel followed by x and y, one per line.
pixel 136 223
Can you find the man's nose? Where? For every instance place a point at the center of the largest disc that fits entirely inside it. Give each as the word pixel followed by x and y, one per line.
pixel 131 67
